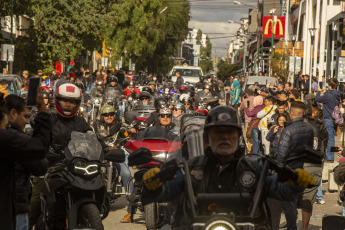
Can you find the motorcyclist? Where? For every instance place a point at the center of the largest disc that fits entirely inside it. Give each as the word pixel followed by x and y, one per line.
pixel 131 89
pixel 153 119
pixel 113 82
pixel 152 85
pixel 107 129
pixel 188 104
pixel 220 170
pixel 144 98
pixel 165 119
pixel 115 91
pixel 178 110
pixel 46 99
pixel 200 84
pixel 168 82
pixel 67 100
pixel 205 92
pixel 99 89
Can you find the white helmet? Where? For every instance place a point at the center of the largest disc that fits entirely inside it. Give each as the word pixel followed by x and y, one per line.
pixel 70 92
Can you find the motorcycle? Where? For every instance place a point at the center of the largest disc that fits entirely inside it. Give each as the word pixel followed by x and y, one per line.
pixel 75 194
pixel 163 146
pixel 168 94
pixel 229 210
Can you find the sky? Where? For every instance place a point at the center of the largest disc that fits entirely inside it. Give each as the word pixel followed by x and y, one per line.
pixel 211 16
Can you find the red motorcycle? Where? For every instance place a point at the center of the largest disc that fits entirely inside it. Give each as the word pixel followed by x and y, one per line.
pixel 163 144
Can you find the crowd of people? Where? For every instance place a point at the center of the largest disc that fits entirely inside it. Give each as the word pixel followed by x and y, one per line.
pixel 274 121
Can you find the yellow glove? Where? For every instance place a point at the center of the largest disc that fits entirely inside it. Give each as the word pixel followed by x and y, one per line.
pixel 153 185
pixel 304 179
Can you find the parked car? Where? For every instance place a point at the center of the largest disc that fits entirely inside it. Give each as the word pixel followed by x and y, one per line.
pixel 190 74
pixel 15 83
pixel 262 80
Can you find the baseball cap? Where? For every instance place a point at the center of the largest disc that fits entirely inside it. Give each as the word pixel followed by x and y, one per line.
pixel 25 72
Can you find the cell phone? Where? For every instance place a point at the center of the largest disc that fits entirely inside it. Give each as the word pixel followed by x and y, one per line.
pixel 334 149
pixel 32 93
pixel 248 104
pixel 284 124
pixel 320 85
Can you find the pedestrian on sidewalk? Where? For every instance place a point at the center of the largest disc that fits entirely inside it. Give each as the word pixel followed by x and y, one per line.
pixel 329 99
pixel 265 116
pixel 256 134
pixel 274 134
pixel 308 196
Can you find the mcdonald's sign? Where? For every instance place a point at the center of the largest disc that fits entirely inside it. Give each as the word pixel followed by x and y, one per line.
pixel 278 27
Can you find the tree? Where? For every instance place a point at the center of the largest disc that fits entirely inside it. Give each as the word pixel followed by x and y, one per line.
pixel 225 69
pixel 279 64
pixel 206 65
pixel 149 31
pixel 66 28
pixel 198 37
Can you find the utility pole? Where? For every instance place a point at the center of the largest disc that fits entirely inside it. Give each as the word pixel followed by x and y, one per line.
pixel 11 38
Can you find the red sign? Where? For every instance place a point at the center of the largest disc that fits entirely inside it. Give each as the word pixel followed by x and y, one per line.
pixel 278 27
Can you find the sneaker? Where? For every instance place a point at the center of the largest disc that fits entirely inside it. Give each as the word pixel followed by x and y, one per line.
pixel 321 202
pixel 128 218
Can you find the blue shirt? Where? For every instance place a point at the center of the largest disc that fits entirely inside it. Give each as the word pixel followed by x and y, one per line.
pixel 315 85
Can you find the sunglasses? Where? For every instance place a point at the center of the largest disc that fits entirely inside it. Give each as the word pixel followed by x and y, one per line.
pixel 108 114
pixel 165 115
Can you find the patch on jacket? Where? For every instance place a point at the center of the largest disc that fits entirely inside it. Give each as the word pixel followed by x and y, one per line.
pixel 224 117
pixel 316 143
pixel 248 179
pixel 197 174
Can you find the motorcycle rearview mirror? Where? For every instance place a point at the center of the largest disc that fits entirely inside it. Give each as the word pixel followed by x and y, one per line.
pixel 306 154
pixel 115 155
pixel 140 156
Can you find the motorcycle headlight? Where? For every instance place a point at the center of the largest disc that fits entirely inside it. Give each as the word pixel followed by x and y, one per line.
pixel 82 109
pixel 220 225
pixel 161 156
pixel 96 101
pixel 130 99
pixel 85 168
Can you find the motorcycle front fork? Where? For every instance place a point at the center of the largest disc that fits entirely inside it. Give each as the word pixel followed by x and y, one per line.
pixel 110 182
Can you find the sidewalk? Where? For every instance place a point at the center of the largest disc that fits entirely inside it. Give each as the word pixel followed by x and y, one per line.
pixel 331 207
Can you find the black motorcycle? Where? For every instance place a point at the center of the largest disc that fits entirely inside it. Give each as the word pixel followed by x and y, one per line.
pixel 235 211
pixel 75 194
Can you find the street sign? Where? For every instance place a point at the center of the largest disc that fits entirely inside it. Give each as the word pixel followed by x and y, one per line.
pixel 341 69
pixel 298 64
pixel 7 52
pixel 104 62
pixel 196 61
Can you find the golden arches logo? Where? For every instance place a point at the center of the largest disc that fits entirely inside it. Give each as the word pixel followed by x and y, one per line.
pixel 281 30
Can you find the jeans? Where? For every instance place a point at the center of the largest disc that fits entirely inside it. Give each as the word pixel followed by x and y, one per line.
pixel 125 176
pixel 121 109
pixel 266 144
pixel 331 133
pixel 22 221
pixel 257 144
pixel 342 209
pixel 319 194
pixel 290 211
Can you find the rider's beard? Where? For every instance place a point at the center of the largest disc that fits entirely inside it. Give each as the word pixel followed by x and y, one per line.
pixel 224 148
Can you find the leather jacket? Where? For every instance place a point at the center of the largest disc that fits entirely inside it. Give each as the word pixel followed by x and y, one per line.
pixel 104 130
pixel 62 129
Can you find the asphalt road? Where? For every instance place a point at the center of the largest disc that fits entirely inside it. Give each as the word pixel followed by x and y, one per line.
pixel 118 210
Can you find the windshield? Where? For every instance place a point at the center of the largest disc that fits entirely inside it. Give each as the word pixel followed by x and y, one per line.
pixel 192 131
pixel 158 133
pixel 84 145
pixel 188 72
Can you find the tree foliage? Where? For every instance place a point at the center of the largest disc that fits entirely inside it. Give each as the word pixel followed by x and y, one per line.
pixel 225 69
pixel 279 65
pixel 149 31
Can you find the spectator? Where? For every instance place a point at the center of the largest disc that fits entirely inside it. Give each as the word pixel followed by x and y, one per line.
pixel 265 116
pixel 221 89
pixel 18 116
pixel 19 148
pixel 287 88
pixel 88 82
pixel 274 134
pixel 236 92
pixel 329 100
pixel 295 134
pixel 282 108
pixel 3 87
pixel 305 85
pixel 314 85
pixel 25 74
pixel 251 112
pixel 294 95
pixel 70 66
pixel 307 197
pixel 4 71
pixel 249 97
pixel 282 95
pixel 40 73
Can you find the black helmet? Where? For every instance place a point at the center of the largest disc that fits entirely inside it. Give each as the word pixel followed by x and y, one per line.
pixel 222 116
pixel 168 77
pixel 201 78
pixel 112 78
pixel 160 102
pixel 206 86
pixel 146 81
pixel 147 89
pixel 144 94
pixel 190 93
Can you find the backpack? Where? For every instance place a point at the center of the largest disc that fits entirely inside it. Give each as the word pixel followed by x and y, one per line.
pixel 337 117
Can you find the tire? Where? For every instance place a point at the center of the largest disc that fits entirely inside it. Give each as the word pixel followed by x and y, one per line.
pixel 89 217
pixel 151 215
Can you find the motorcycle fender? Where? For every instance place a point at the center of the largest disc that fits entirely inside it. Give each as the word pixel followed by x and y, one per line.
pixel 91 184
pixel 73 211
